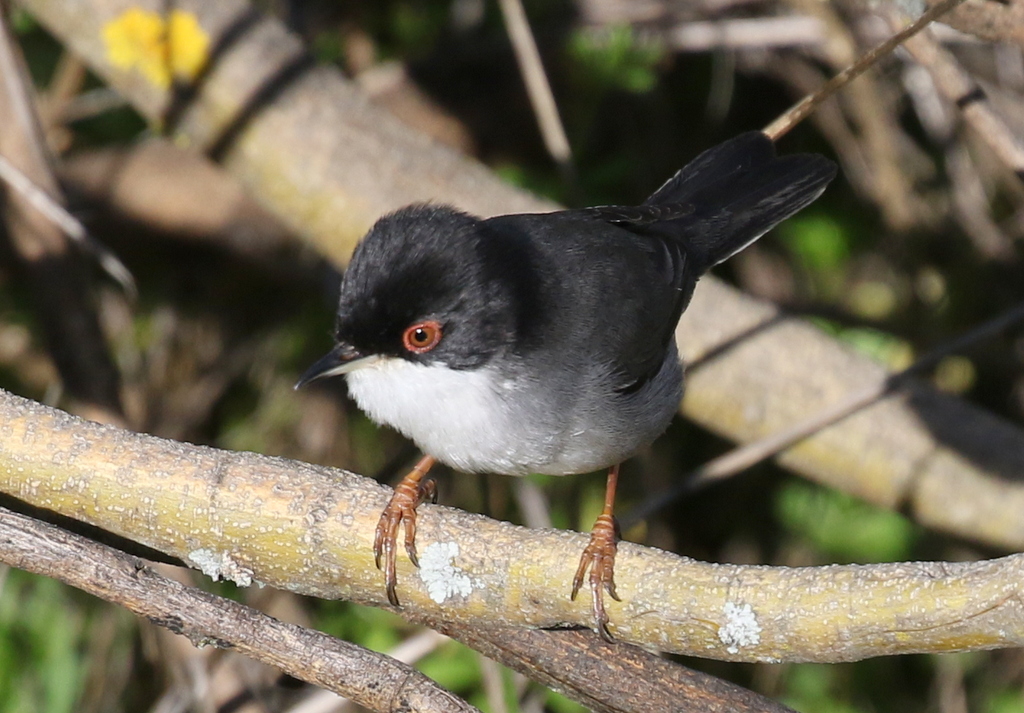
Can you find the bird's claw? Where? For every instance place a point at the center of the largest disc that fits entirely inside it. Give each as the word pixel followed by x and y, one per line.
pixel 599 558
pixel 413 490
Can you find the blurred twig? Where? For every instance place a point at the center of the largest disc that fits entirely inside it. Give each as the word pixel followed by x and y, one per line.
pixel 746 33
pixel 802 109
pixel 539 89
pixel 991 21
pixel 36 231
pixel 957 86
pixel 47 205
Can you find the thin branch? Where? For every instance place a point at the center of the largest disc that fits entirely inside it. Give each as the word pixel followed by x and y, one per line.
pixel 373 680
pixel 799 111
pixel 45 258
pixel 538 88
pixel 957 86
pixel 633 680
pixel 57 214
pixel 746 33
pixel 409 651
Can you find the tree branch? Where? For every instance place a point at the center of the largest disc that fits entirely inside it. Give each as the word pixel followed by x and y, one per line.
pixel 308 529
pixel 373 680
pixel 607 678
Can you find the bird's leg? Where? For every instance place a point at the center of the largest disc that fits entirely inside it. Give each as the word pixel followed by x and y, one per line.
pixel 409 493
pixel 599 557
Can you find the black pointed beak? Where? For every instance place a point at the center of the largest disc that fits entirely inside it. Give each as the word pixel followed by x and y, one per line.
pixel 340 360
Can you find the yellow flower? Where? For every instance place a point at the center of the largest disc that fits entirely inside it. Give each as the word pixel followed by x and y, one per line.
pixel 160 50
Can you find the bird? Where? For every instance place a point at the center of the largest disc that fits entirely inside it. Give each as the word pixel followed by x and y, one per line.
pixel 545 343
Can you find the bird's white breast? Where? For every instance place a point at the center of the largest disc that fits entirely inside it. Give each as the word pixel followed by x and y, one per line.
pixel 457 416
pixel 476 420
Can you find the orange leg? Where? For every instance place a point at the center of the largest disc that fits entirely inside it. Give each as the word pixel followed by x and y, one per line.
pixel 599 557
pixel 409 493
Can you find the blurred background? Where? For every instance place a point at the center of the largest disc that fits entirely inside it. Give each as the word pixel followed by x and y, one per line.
pixel 917 241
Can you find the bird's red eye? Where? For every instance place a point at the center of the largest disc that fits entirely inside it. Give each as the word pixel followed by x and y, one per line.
pixel 422 336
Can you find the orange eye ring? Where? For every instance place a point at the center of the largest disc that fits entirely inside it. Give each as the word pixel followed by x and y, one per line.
pixel 421 337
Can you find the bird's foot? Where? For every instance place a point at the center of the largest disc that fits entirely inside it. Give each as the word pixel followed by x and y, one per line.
pixel 413 490
pixel 599 558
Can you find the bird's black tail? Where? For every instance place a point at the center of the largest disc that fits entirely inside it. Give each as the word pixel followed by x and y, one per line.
pixel 736 192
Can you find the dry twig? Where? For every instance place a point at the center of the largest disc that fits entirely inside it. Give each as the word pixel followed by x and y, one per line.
pixel 538 88
pixel 36 231
pixel 957 86
pixel 802 109
pixel 374 680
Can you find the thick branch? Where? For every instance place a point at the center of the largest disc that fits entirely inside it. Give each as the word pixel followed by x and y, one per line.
pixel 309 529
pixel 953 466
pixel 609 678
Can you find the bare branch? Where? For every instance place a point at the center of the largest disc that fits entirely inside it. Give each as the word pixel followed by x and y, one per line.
pixel 72 227
pixel 781 126
pixel 633 680
pixel 58 284
pixel 761 32
pixel 307 529
pixel 373 680
pixel 746 456
pixel 957 86
pixel 538 87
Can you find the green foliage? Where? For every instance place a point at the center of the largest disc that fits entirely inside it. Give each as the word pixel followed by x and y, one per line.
pixel 21 22
pixel 372 628
pixel 560 704
pixel 409 29
pixel 43 635
pixel 542 183
pixel 842 527
pixel 883 347
pixel 615 58
pixel 1005 702
pixel 328 47
pixel 451 664
pixel 811 688
pixel 454 666
pixel 821 247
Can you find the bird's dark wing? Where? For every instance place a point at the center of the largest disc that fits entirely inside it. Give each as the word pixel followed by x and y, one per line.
pixel 616 294
pixel 640 264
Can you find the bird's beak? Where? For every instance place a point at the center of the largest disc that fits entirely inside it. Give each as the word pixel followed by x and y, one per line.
pixel 340 360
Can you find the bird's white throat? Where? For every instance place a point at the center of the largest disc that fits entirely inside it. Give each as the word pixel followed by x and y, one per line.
pixel 457 416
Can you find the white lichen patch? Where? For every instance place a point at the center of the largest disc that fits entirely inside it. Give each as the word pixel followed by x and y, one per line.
pixel 740 628
pixel 439 573
pixel 220 565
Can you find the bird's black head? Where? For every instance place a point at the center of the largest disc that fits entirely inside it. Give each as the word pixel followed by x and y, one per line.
pixel 430 284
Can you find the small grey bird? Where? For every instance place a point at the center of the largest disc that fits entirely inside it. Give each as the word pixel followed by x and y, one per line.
pixel 544 343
